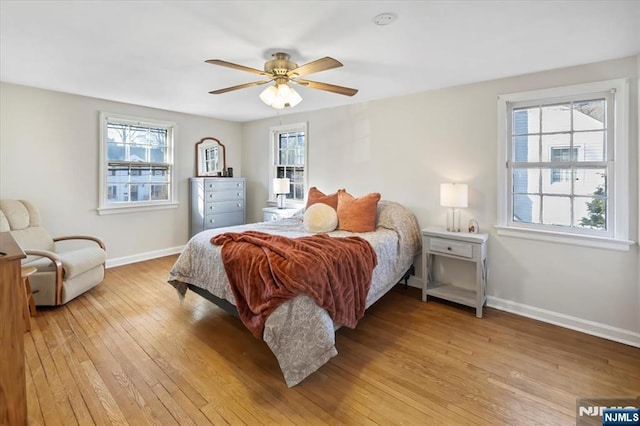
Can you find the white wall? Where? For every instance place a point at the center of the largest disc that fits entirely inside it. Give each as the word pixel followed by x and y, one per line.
pixel 405 147
pixel 49 144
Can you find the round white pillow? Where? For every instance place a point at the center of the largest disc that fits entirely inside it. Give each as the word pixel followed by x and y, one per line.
pixel 320 217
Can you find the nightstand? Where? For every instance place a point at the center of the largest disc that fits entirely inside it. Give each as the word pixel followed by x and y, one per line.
pixel 459 247
pixel 274 213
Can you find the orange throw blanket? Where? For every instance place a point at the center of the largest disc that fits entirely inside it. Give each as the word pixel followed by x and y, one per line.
pixel 267 270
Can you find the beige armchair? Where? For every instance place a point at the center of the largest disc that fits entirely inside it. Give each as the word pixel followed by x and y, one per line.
pixel 62 274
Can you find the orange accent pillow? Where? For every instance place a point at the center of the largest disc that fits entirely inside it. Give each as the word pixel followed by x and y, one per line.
pixel 357 214
pixel 317 196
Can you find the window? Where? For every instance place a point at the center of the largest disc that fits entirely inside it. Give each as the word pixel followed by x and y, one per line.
pixel 558 170
pixel 136 159
pixel 289 160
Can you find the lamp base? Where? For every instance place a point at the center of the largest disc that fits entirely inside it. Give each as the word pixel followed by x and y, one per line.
pixel 453 219
pixel 282 201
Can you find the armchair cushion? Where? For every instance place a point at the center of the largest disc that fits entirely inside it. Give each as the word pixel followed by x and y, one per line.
pixel 74 262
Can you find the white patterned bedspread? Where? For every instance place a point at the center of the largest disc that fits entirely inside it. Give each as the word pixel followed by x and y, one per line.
pixel 300 333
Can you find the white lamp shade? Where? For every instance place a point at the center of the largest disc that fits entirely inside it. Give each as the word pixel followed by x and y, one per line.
pixel 294 98
pixel 280 96
pixel 281 186
pixel 269 94
pixel 454 195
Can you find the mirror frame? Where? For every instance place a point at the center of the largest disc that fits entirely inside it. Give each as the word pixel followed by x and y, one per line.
pixel 201 148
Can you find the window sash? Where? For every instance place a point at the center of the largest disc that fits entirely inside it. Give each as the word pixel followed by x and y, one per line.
pixel 289 158
pixel 136 163
pixel 572 164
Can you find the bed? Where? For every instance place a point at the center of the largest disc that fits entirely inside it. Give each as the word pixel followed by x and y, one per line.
pixel 299 333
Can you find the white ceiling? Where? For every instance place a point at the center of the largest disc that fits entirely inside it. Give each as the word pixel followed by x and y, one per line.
pixel 152 53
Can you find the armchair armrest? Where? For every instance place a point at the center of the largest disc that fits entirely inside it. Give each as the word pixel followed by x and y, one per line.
pixel 82 237
pixel 59 270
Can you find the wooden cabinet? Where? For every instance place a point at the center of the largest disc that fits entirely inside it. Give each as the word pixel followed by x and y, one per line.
pixel 459 247
pixel 13 398
pixel 216 202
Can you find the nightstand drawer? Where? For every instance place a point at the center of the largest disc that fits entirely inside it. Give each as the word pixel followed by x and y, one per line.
pixel 451 247
pixel 224 207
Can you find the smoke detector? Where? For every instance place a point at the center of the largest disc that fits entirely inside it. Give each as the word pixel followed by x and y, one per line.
pixel 384 19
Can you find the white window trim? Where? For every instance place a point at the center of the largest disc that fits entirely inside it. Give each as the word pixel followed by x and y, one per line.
pixel 620 221
pixel 103 207
pixel 273 132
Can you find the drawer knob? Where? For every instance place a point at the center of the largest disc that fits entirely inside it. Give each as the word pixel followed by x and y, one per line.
pixel 449 248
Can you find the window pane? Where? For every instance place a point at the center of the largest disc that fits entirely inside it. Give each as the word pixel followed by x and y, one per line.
pixel 137 153
pixel 160 174
pixel 556 180
pixel 116 133
pixel 158 137
pixel 589 115
pixel 590 213
pixel 138 135
pixel 526 148
pixel 116 151
pixel 526 120
pixel 158 155
pixel 592 144
pixel 526 208
pixel 526 180
pixel 556 118
pixel 133 192
pixel 159 192
pixel 550 143
pixel 556 211
pixel 115 194
pixel 117 174
pixel 590 182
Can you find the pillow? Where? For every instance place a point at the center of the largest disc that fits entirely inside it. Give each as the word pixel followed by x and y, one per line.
pixel 317 196
pixel 357 214
pixel 320 218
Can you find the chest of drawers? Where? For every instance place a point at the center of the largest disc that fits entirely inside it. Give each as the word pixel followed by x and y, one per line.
pixel 216 202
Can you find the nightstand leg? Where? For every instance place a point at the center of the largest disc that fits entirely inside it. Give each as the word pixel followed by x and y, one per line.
pixel 479 288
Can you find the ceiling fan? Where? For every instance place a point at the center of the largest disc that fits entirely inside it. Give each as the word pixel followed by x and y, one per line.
pixel 281 70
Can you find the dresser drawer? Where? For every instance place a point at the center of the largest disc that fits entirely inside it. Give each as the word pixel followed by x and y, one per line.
pixel 223 219
pixel 222 185
pixel 224 207
pixel 455 248
pixel 224 195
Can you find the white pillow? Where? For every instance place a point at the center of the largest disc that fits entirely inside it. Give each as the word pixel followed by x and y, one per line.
pixel 320 217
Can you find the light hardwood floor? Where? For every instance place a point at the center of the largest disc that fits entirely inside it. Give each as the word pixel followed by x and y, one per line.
pixel 127 352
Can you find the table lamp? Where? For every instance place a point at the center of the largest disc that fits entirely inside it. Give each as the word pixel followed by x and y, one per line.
pixel 281 189
pixel 454 196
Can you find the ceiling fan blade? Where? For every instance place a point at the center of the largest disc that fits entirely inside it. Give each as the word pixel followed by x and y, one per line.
pixel 323 64
pixel 238 87
pixel 341 90
pixel 235 66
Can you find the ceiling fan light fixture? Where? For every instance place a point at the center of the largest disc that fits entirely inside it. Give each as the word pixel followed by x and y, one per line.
pixel 280 96
pixel 269 95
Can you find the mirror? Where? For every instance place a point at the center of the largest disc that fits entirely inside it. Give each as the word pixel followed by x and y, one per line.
pixel 210 158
